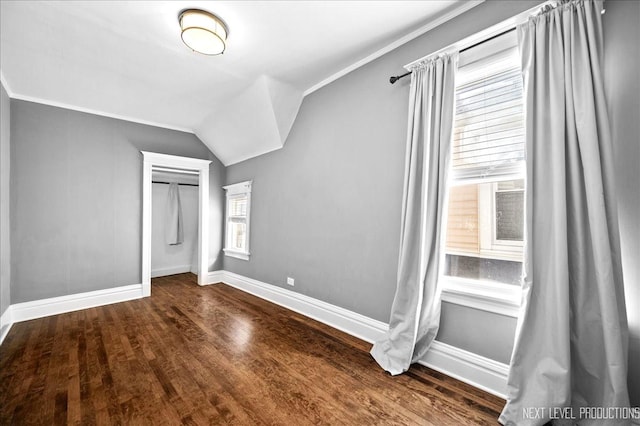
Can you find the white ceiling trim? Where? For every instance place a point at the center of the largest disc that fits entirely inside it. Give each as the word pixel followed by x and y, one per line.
pixel 394 45
pixel 96 112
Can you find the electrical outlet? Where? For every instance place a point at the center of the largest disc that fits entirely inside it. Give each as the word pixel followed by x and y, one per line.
pixel 291 281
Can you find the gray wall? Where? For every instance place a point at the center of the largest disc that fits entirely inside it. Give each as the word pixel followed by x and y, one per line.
pixel 622 83
pixel 76 198
pixel 5 163
pixel 484 333
pixel 217 201
pixel 326 208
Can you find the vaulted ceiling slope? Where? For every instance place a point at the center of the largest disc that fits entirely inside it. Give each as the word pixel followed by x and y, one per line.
pixel 126 59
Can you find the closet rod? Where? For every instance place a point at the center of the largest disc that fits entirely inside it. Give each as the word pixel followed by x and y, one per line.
pixel 168 183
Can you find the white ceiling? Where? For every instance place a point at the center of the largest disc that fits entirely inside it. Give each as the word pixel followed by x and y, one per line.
pixel 126 58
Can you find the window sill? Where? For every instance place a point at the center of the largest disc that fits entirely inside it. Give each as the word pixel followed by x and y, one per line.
pixel 236 254
pixel 511 256
pixel 497 298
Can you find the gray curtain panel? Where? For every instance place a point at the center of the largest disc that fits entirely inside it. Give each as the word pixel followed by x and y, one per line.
pixel 415 313
pixel 174 227
pixel 571 343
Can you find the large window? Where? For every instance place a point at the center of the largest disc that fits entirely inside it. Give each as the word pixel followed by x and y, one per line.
pixel 485 227
pixel 237 220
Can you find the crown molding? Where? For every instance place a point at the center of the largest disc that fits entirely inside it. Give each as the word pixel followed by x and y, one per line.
pixel 42 101
pixel 465 6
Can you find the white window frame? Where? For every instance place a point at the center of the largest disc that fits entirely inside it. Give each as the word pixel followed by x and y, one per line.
pixel 234 191
pixel 490 246
pixel 495 297
pixel 490 296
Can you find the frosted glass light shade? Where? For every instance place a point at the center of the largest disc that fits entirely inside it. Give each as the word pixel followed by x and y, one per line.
pixel 203 32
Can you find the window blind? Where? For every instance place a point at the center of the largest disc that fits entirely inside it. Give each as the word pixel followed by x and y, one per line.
pixel 238 206
pixel 488 136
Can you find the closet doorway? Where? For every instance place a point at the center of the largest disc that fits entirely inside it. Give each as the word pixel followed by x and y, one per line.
pixel 171 165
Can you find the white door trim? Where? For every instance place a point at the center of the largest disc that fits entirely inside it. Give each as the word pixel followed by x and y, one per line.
pixel 153 159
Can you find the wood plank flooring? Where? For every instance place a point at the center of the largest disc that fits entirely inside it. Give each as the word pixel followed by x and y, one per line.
pixel 214 355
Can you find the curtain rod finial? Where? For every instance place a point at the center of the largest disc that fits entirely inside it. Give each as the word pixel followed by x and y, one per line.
pixel 395 78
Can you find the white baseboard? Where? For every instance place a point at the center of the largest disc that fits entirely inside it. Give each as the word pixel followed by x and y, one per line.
pixel 357 325
pixel 476 370
pixel 5 319
pixel 215 277
pixel 5 324
pixel 58 305
pixel 163 272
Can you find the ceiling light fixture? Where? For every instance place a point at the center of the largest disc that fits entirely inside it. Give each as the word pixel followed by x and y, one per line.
pixel 203 32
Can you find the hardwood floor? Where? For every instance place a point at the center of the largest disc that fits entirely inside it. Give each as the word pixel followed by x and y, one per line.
pixel 214 355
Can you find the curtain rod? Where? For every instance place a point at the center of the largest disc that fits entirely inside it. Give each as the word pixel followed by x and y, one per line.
pixel 489 39
pixel 484 35
pixel 506 26
pixel 393 79
pixel 169 183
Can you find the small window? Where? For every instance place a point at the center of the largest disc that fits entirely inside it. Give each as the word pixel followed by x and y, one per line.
pixel 485 222
pixel 237 220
